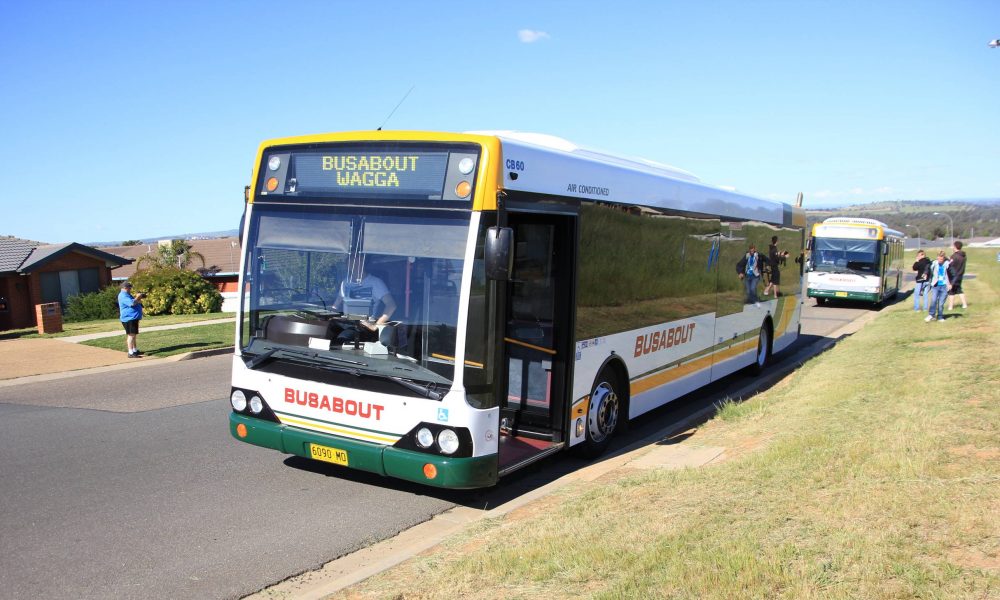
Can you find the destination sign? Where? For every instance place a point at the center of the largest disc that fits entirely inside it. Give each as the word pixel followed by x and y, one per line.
pixel 856 233
pixel 366 171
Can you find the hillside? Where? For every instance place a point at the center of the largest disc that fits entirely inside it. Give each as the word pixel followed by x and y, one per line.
pixel 971 219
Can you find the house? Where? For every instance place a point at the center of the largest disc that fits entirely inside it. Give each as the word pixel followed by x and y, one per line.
pixel 221 268
pixel 35 273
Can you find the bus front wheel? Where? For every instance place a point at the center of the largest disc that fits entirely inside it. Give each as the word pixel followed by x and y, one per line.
pixel 763 356
pixel 603 414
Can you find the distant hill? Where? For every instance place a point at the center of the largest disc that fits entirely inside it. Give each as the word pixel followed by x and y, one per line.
pixel 971 218
pixel 183 236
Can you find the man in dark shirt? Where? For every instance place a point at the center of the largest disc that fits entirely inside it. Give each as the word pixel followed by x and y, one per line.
pixel 922 289
pixel 957 272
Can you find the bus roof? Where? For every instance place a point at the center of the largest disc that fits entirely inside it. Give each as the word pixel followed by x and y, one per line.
pixel 544 164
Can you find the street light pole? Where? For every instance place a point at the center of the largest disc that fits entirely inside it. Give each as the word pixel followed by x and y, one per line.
pixel 918 234
pixel 951 226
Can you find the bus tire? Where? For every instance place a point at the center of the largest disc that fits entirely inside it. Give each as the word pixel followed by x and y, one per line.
pixel 763 356
pixel 820 301
pixel 604 413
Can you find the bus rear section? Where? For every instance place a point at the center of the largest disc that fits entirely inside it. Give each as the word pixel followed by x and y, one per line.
pixel 854 259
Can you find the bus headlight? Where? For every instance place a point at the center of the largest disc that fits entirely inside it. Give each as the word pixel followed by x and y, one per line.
pixel 256 404
pixel 424 437
pixel 238 400
pixel 447 441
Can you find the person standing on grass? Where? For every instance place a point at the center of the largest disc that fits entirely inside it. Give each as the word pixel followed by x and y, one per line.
pixel 748 270
pixel 130 309
pixel 939 284
pixel 957 273
pixel 923 270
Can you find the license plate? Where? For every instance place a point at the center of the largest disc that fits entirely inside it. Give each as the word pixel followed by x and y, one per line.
pixel 328 454
pixel 841 294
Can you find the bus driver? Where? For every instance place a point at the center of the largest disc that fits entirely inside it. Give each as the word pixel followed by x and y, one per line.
pixel 369 292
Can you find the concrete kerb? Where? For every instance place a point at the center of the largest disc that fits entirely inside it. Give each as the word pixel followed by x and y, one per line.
pixel 362 564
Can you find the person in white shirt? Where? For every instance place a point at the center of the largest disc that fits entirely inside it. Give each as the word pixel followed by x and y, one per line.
pixel 381 303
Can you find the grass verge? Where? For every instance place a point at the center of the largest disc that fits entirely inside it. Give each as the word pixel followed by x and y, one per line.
pixel 104 325
pixel 174 341
pixel 871 472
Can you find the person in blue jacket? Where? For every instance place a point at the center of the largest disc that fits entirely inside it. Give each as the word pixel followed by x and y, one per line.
pixel 130 309
pixel 940 284
pixel 749 269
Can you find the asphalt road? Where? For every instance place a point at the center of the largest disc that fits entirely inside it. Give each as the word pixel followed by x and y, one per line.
pixel 127 485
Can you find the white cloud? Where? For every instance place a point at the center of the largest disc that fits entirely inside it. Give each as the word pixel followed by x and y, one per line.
pixel 530 36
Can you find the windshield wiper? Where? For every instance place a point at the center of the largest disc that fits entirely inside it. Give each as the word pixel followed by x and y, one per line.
pixel 324 362
pixel 427 391
pixel 259 359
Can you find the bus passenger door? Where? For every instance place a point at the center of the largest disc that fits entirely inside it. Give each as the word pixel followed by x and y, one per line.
pixel 537 336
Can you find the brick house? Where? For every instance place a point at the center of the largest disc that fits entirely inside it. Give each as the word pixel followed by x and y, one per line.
pixel 221 268
pixel 34 273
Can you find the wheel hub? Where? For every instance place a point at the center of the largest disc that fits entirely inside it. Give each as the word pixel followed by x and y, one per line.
pixel 603 414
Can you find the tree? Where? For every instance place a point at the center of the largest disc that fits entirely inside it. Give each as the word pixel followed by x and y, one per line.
pixel 132 243
pixel 177 253
pixel 176 291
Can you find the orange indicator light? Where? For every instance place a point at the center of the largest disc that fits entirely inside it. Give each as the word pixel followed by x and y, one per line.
pixel 272 184
pixel 430 471
pixel 462 189
pixel 241 430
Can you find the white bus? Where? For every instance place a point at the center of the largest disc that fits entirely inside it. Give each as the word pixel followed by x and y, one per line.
pixel 854 258
pixel 531 297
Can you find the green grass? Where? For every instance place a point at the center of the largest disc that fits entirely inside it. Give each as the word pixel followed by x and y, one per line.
pixel 86 327
pixel 871 472
pixel 174 341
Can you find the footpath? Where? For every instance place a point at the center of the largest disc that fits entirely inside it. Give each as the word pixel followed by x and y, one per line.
pixel 43 359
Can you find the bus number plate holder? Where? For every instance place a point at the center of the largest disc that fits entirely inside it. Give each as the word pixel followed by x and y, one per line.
pixel 841 294
pixel 328 454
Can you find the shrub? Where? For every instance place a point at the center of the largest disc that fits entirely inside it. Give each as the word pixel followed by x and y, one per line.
pixel 92 306
pixel 173 291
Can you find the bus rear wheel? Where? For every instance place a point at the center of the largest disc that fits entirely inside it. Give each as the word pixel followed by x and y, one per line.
pixel 603 414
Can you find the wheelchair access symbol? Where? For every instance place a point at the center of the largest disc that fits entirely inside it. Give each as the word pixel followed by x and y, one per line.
pixel 443 415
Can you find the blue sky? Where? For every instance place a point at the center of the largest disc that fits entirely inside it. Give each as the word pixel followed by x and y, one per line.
pixel 132 119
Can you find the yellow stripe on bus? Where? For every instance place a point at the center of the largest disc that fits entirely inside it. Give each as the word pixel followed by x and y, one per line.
pixel 338 430
pixel 786 317
pixel 665 377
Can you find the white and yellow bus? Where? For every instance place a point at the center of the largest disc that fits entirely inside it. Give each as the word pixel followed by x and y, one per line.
pixel 853 258
pixel 532 296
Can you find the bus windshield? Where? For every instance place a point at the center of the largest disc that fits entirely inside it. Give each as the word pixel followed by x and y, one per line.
pixel 317 280
pixel 845 256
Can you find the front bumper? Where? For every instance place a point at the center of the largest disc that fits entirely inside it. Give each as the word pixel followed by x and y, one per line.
pixel 473 472
pixel 841 295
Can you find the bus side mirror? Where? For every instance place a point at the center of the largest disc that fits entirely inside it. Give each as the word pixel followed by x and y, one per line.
pixel 499 253
pixel 885 249
pixel 809 244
